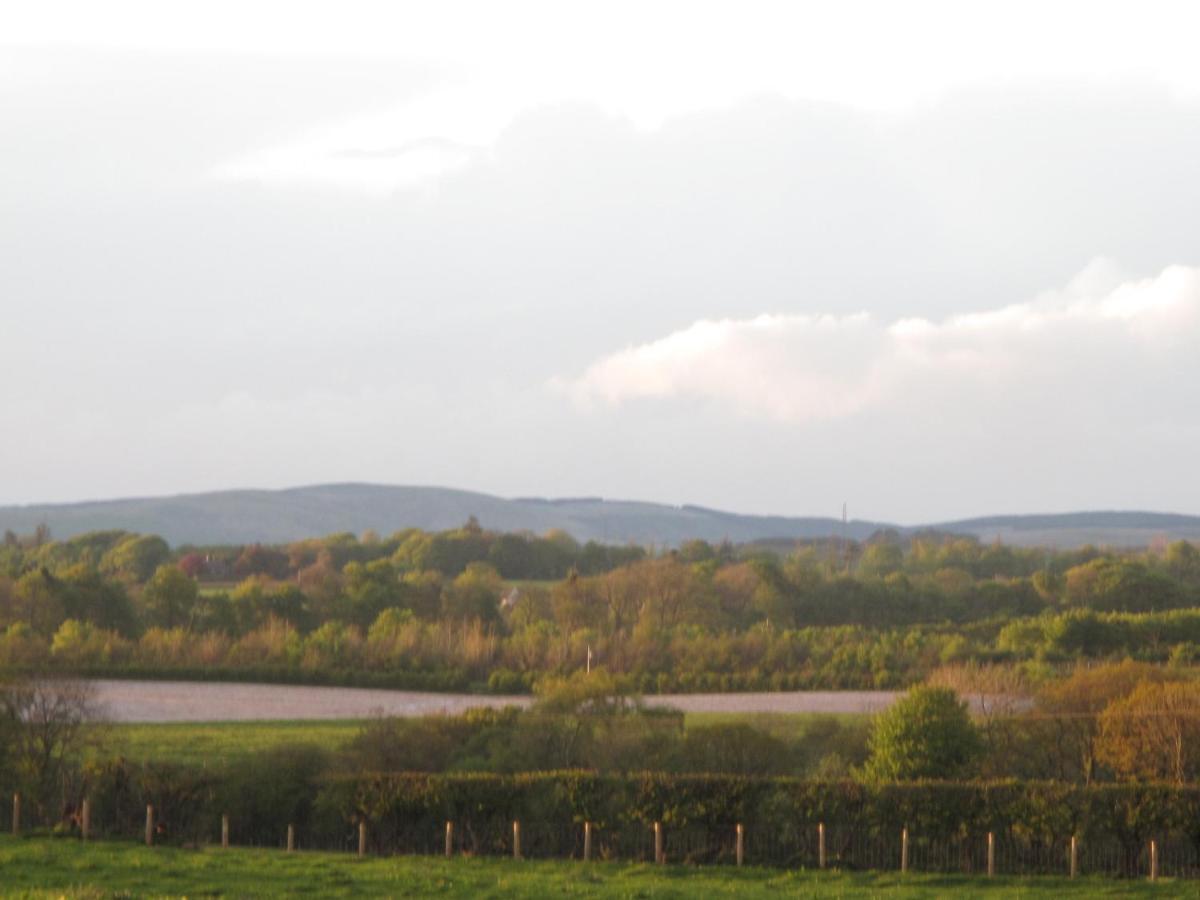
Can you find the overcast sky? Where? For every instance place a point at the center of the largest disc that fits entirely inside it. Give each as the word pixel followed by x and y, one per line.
pixel 933 259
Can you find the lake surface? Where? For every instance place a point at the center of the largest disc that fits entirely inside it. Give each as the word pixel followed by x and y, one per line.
pixel 199 701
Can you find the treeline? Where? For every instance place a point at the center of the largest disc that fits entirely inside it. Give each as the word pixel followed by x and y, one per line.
pixel 401 651
pixel 518 556
pixel 469 608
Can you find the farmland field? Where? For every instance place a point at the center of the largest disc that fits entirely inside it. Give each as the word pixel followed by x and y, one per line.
pixel 44 867
pixel 218 742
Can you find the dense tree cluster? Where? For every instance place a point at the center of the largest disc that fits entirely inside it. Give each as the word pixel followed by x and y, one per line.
pixel 472 608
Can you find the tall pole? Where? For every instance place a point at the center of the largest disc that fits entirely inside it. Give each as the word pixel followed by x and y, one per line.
pixel 845 541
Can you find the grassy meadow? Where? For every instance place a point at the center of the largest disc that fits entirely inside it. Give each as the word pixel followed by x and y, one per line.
pixel 44 867
pixel 220 742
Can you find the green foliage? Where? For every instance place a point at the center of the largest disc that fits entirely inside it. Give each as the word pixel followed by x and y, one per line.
pixel 135 558
pixel 702 618
pixel 169 598
pixel 268 791
pixel 474 594
pixel 926 734
pixel 1121 585
pixel 404 812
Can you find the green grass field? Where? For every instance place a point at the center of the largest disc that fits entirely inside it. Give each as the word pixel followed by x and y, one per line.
pixel 44 867
pixel 217 742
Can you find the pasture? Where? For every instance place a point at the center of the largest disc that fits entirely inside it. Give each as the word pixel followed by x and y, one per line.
pixel 215 743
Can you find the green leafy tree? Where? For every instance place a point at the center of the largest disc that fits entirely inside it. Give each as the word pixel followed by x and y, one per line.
pixel 1182 560
pixel 36 600
pixel 475 594
pixel 927 733
pixel 1121 585
pixel 89 597
pixel 169 598
pixel 880 559
pixel 135 558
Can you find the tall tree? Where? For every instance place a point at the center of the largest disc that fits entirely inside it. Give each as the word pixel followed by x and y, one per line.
pixel 1154 733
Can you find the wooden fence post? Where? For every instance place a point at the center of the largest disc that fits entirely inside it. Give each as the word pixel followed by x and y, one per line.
pixel 587 841
pixel 516 838
pixel 362 838
pixel 449 839
pixel 741 843
pixel 1074 856
pixel 991 855
pixel 85 819
pixel 821 844
pixel 659 855
pixel 149 825
pixel 904 850
pixel 225 832
pixel 1154 860
pixel 291 840
pixel 16 823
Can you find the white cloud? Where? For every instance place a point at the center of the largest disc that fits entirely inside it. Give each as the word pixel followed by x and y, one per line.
pixel 802 368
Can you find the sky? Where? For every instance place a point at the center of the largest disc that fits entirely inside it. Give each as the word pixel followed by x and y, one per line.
pixel 933 260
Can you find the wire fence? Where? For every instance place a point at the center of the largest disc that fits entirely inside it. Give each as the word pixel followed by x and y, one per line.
pixel 806 846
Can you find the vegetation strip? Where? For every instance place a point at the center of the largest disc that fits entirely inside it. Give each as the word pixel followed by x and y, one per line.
pixel 474 610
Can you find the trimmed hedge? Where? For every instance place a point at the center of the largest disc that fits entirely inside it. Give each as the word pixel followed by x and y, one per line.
pixel 406 812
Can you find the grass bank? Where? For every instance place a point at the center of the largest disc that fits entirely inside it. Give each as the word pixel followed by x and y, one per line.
pixel 44 867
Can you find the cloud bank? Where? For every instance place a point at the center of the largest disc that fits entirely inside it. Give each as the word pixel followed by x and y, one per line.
pixel 1098 331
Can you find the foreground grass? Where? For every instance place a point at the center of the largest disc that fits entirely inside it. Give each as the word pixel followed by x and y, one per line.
pixel 43 867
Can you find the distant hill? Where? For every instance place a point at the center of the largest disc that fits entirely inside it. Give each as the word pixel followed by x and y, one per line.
pixel 227 517
pixel 277 516
pixel 1067 530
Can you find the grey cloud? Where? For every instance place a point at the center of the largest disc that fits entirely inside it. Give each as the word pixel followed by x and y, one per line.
pixel 139 294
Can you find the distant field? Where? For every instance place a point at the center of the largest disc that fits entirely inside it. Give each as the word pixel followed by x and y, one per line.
pixel 44 868
pixel 217 742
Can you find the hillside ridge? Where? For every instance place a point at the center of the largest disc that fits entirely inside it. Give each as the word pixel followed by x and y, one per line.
pixel 277 516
